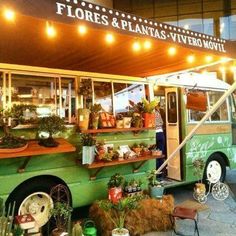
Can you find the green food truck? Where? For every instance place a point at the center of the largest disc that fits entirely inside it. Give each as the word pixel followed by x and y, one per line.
pixel 62 57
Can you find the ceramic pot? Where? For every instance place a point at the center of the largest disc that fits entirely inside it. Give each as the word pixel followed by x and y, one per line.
pixel 156 191
pixel 120 124
pixel 83 118
pixel 127 122
pixel 120 232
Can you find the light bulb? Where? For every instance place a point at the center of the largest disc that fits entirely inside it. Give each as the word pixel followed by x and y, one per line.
pixel 9 14
pixel 82 29
pixel 50 30
pixel 172 51
pixel 109 38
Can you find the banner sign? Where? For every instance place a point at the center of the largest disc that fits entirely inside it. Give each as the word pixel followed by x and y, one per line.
pixel 73 11
pixel 85 11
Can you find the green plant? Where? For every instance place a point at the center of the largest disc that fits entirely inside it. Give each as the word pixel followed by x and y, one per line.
pixel 151 177
pixel 149 107
pixel 61 212
pixel 85 87
pixel 116 180
pixel 198 165
pixel 96 108
pixel 119 116
pixel 50 124
pixel 87 140
pixel 8 140
pixel 117 212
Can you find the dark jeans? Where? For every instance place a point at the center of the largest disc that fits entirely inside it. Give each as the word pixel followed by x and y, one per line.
pixel 160 144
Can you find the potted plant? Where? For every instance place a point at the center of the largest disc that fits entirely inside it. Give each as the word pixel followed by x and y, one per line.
pixel 83 118
pixel 94 115
pixel 115 187
pixel 117 212
pixel 199 165
pixel 51 125
pixel 137 149
pixel 61 213
pixel 88 148
pixel 8 142
pixel 137 121
pixel 149 114
pixel 119 121
pixel 156 188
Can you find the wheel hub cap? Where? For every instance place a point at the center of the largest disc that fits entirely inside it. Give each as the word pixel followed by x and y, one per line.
pixel 214 171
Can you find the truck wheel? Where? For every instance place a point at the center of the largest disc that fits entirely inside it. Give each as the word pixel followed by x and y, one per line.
pixel 34 198
pixel 215 169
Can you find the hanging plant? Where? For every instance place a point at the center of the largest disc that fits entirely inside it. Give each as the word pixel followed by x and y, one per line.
pixel 85 88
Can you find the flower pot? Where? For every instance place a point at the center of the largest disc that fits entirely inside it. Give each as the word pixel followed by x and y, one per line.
pixel 149 120
pixel 120 232
pixel 120 124
pixel 127 122
pixel 156 191
pixel 88 154
pixel 115 194
pixel 83 118
pixel 94 121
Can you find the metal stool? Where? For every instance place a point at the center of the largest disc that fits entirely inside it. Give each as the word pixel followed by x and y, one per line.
pixel 185 214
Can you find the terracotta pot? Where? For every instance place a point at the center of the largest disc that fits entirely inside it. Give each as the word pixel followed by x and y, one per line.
pixel 149 120
pixel 115 194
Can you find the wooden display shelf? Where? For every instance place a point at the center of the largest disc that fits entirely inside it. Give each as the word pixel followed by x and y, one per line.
pixel 34 149
pixel 114 130
pixel 99 165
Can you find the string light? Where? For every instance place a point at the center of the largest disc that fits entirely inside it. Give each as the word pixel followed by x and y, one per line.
pixel 172 51
pixel 190 58
pixel 136 46
pixel 209 59
pixel 110 38
pixel 9 14
pixel 50 30
pixel 147 44
pixel 82 29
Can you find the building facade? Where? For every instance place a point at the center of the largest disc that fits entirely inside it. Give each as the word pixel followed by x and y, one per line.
pixel 213 17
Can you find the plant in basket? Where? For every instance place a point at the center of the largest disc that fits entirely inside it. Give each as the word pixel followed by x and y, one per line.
pixel 145 149
pixel 51 125
pixel 61 213
pixel 115 187
pixel 94 115
pixel 156 187
pixel 88 148
pixel 199 165
pixel 9 142
pixel 119 121
pixel 117 212
pixel 137 149
pixel 149 114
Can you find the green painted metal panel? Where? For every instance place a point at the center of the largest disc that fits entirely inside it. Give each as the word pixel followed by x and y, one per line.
pixel 65 166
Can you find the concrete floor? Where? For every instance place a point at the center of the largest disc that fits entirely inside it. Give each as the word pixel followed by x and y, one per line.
pixel 218 220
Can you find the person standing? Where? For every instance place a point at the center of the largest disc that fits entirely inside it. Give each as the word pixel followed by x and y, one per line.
pixel 160 137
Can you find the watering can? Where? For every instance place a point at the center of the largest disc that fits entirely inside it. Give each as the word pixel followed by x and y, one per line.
pixel 89 228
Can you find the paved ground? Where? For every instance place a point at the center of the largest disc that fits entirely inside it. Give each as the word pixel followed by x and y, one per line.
pixel 218 220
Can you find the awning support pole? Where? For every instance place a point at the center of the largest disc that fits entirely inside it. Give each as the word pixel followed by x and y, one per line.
pixel 193 131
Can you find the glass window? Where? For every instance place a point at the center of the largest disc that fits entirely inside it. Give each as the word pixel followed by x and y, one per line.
pixel 68 99
pixel 171 107
pixel 189 6
pixel 35 91
pixel 192 22
pixel 208 24
pixel 232 24
pixel 103 95
pixel 213 5
pixel 127 94
pixel 171 20
pixel 221 114
pixel 165 8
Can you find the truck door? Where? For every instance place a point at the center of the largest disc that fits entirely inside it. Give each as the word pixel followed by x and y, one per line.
pixel 172 132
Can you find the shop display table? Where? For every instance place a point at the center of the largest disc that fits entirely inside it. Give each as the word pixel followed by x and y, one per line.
pixel 151 215
pixel 34 149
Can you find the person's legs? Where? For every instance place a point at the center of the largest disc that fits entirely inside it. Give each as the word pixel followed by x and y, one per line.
pixel 160 144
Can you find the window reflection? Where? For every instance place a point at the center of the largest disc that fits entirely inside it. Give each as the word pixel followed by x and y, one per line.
pixel 103 95
pixel 126 95
pixel 171 108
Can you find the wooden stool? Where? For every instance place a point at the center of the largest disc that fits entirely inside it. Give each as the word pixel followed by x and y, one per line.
pixel 185 214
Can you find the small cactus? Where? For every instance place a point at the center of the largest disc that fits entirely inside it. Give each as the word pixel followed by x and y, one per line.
pixel 77 230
